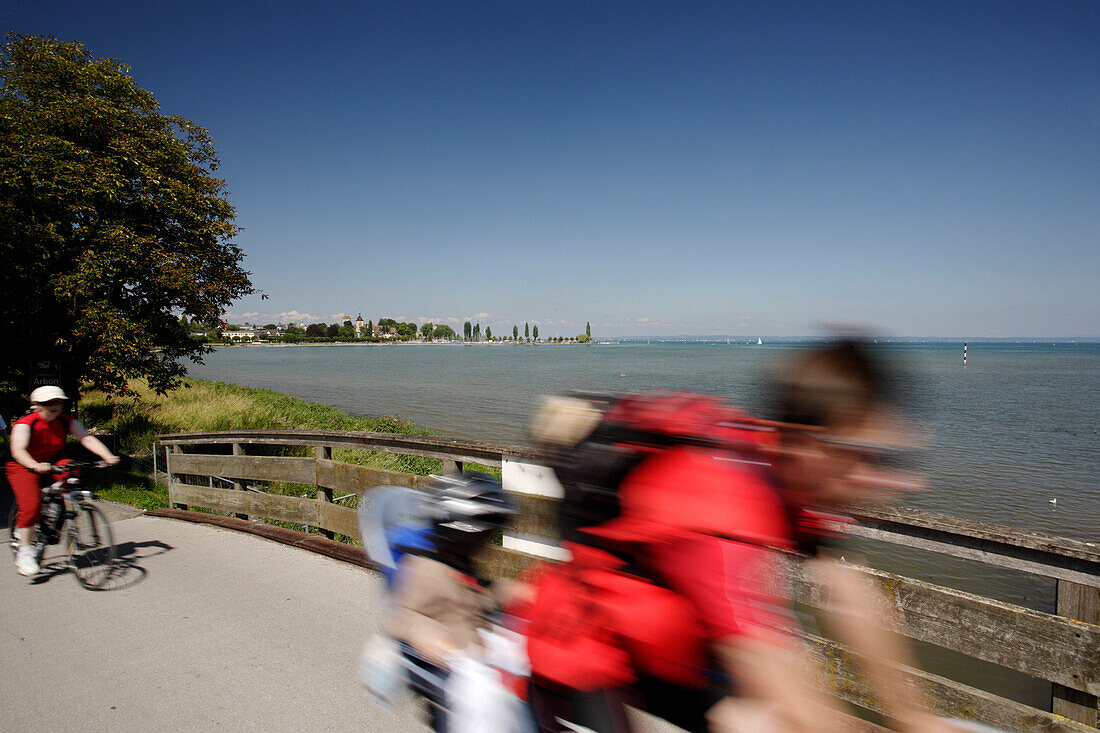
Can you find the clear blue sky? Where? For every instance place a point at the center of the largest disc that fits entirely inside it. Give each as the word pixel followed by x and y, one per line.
pixel 652 167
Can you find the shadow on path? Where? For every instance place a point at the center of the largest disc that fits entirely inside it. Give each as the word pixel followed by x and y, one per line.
pixel 125 573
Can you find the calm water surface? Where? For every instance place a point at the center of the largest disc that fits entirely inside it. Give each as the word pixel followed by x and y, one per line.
pixel 1014 429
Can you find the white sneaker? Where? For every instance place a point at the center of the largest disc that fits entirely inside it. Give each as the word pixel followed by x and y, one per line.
pixel 25 564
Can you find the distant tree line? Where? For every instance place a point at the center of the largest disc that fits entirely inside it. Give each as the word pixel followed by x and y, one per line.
pixel 472 332
pixel 388 329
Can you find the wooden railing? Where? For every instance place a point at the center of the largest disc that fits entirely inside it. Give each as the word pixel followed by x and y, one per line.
pixel 1062 648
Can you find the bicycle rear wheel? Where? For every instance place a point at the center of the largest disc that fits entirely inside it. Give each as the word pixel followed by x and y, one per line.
pixel 91 547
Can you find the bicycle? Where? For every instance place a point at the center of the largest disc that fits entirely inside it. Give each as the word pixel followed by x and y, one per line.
pixel 67 505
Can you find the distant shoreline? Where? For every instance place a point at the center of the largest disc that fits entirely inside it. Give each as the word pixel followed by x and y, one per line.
pixel 412 343
pixel 738 343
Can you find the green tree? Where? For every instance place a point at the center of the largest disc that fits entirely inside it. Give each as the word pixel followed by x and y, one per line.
pixel 526 332
pixel 515 333
pixel 584 338
pixel 332 331
pixel 488 333
pixel 112 225
pixel 535 333
pixel 270 326
pixel 370 328
pixel 588 329
pixel 316 330
pixel 477 332
pixel 467 330
pixel 427 330
pixel 444 332
pixel 293 330
pixel 346 332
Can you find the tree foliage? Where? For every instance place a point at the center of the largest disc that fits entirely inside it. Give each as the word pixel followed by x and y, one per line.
pixel 111 222
pixel 535 332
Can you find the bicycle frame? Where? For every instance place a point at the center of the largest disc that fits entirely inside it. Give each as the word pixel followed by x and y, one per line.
pixel 87 537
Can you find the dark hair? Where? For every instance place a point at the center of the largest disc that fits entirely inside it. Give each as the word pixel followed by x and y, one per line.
pixel 833 385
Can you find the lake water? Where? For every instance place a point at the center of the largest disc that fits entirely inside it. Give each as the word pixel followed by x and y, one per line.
pixel 1013 430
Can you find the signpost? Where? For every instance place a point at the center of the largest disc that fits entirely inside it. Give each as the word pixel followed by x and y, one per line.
pixel 46 370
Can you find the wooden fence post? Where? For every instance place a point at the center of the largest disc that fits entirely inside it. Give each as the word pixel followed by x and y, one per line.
pixel 1081 603
pixel 324 493
pixel 238 450
pixel 175 449
pixel 452 468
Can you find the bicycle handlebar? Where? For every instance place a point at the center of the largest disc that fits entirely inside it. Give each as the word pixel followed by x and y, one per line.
pixel 65 467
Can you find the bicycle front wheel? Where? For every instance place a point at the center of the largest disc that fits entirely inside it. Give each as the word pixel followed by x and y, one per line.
pixel 91 547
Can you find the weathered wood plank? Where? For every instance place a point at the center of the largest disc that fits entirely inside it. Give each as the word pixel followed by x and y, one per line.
pixel 536 515
pixel 1040 644
pixel 238 450
pixel 468 451
pixel 1048 565
pixel 948 698
pixel 339 520
pixel 883 515
pixel 1082 603
pixel 1033 552
pixel 293 509
pixel 348 478
pixel 254 468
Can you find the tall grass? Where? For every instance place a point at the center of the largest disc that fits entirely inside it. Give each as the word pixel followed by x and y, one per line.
pixel 200 406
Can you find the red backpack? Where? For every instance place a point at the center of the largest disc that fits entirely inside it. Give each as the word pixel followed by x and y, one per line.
pixel 597 625
pixel 601 620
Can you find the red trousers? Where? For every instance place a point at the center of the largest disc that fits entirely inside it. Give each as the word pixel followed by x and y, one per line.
pixel 27 487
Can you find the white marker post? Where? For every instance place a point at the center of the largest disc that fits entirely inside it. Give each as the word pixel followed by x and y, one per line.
pixel 964 353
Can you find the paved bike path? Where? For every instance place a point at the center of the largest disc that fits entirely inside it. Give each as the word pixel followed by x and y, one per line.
pixel 204 628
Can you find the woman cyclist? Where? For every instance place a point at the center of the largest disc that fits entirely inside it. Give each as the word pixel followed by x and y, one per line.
pixel 38 441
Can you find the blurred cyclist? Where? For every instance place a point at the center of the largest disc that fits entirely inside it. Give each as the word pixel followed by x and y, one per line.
pixel 710 522
pixel 837 447
pixel 37 442
pixel 442 607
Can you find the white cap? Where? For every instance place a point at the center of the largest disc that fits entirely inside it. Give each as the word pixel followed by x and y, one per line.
pixel 42 395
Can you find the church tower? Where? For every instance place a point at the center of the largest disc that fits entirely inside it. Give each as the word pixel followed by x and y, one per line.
pixel 359 326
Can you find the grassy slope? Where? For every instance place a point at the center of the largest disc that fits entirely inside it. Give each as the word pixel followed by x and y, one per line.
pixel 201 406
